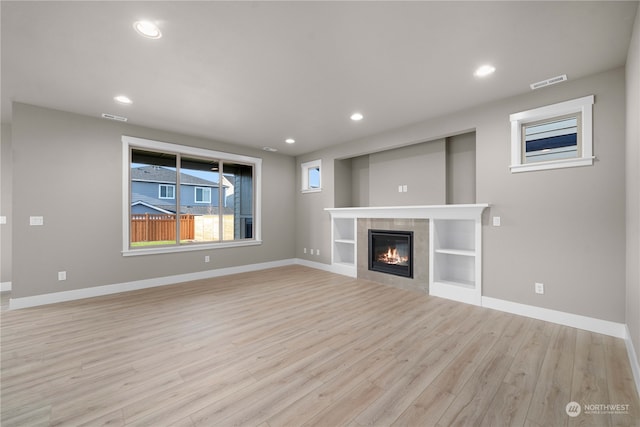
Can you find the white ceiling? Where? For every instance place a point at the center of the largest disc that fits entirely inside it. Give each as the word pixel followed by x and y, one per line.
pixel 256 73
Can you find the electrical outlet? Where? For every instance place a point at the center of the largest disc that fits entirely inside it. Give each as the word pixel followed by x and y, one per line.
pixel 311 251
pixel 62 275
pixel 399 188
pixel 318 252
pixel 539 287
pixel 305 250
pixel 207 258
pixel 404 188
pixel 36 220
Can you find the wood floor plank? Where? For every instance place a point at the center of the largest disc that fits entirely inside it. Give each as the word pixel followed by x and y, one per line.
pixel 589 382
pixel 620 384
pixel 553 389
pixel 295 346
pixel 473 401
pixel 511 402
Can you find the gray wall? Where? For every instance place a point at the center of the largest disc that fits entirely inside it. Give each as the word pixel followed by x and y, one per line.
pixel 5 203
pixel 342 183
pixel 421 167
pixel 633 187
pixel 360 181
pixel 68 168
pixel 461 169
pixel 312 229
pixel 564 228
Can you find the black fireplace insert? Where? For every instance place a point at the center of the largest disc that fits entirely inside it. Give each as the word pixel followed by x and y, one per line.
pixel 391 252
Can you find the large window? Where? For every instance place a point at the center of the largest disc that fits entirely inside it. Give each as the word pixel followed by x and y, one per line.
pixel 207 198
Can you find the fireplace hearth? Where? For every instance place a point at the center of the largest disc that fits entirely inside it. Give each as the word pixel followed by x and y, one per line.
pixel 391 252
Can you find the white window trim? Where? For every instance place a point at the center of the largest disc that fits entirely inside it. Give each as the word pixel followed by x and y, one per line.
pixel 582 105
pixel 195 195
pixel 305 175
pixel 166 185
pixel 130 141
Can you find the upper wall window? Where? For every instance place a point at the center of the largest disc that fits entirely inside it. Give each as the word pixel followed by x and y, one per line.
pixel 311 176
pixel 203 195
pixel 552 137
pixel 167 191
pixel 179 198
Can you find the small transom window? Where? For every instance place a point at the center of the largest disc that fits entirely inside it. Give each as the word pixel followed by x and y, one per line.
pixel 551 137
pixel 312 176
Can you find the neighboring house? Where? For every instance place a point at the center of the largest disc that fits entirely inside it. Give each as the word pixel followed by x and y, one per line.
pixel 153 190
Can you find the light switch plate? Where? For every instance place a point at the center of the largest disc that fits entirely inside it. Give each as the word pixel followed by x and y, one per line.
pixel 3 219
pixel 496 221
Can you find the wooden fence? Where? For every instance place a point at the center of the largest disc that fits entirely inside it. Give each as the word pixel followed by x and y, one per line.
pixel 160 227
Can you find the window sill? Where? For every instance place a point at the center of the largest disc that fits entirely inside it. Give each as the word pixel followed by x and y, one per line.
pixel 555 164
pixel 312 190
pixel 189 248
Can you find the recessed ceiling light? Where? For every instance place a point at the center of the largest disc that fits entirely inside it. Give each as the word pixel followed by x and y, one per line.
pixel 147 29
pixel 357 117
pixel 484 71
pixel 123 99
pixel 290 141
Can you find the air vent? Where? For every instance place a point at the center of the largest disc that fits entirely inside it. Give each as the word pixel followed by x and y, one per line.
pixel 271 149
pixel 548 82
pixel 114 117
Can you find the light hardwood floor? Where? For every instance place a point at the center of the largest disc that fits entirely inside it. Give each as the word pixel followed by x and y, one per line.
pixel 294 346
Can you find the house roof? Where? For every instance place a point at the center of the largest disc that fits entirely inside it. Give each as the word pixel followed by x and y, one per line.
pixel 137 198
pixel 164 175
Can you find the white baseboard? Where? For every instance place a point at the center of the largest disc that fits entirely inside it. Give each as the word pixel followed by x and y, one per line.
pixel 5 286
pixel 633 359
pixel 51 298
pixel 591 324
pixel 337 269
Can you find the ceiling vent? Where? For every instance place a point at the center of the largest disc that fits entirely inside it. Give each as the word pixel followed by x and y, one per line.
pixel 114 117
pixel 548 82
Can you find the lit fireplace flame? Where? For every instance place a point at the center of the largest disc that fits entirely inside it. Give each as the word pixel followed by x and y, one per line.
pixel 392 257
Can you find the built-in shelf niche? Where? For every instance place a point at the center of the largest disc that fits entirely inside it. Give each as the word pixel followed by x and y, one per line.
pixel 457 264
pixel 344 242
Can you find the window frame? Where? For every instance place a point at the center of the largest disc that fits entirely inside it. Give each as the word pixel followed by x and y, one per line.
pixel 579 106
pixel 173 188
pixel 306 168
pixel 195 195
pixel 130 142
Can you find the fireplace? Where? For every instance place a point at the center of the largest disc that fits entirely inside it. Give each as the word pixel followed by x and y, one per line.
pixel 391 252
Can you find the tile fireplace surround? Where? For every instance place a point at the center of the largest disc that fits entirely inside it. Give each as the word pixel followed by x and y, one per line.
pixel 420 228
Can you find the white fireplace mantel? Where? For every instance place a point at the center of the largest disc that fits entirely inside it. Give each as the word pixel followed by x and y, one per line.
pixel 455 244
pixel 424 211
